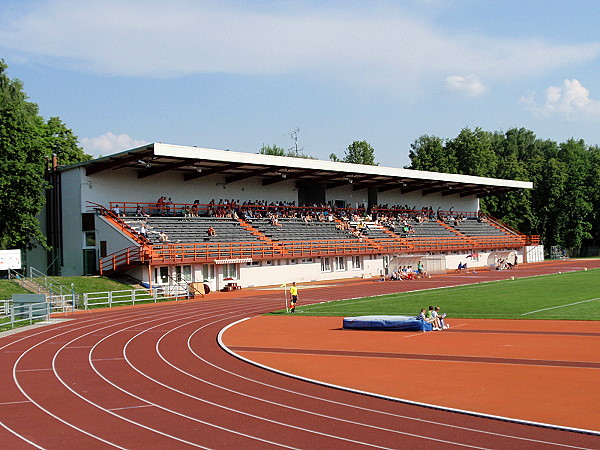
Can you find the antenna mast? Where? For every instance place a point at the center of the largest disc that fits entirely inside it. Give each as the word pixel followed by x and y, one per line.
pixel 294 136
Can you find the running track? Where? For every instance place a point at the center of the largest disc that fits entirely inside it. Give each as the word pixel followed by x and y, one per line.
pixel 155 377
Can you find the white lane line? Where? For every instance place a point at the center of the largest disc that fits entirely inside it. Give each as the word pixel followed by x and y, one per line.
pixel 15 403
pixel 263 400
pixel 561 306
pixel 164 408
pixel 152 318
pixel 33 370
pixel 116 320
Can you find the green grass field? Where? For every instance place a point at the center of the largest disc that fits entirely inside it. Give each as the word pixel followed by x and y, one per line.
pixel 566 296
pixel 9 287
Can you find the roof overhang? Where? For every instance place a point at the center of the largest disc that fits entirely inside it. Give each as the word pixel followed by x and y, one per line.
pixel 195 163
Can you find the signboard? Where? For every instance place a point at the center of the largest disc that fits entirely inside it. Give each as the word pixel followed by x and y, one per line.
pixel 233 261
pixel 10 259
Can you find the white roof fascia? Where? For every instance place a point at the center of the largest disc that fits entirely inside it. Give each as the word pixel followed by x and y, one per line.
pixel 180 151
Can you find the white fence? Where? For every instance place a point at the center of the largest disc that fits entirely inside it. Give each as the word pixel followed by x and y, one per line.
pixel 64 304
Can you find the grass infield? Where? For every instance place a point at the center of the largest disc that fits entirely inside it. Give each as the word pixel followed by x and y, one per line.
pixel 566 296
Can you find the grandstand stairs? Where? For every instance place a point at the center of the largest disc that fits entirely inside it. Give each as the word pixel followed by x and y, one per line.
pixel 277 246
pixel 449 228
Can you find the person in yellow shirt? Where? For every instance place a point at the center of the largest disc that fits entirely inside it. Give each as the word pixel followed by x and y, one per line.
pixel 294 294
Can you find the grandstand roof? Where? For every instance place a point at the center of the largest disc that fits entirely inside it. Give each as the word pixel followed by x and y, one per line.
pixel 195 163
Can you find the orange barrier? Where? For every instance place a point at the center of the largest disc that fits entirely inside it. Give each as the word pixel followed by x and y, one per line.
pixel 209 252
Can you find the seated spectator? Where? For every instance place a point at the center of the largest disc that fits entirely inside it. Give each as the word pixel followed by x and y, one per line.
pixel 117 211
pixel 211 231
pixel 432 317
pixel 439 318
pixel 140 212
pixel 162 237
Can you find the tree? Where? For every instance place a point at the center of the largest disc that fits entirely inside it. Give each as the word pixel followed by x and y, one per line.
pixel 61 140
pixel 430 153
pixel 25 142
pixel 564 205
pixel 279 151
pixel 359 152
pixel 274 150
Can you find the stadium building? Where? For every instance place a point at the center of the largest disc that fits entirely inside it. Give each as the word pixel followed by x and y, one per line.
pixel 171 215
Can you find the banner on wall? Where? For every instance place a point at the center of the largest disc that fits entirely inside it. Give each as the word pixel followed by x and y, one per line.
pixel 233 261
pixel 10 259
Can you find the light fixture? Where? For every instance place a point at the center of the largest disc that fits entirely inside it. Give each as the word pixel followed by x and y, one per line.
pixel 199 169
pixel 145 163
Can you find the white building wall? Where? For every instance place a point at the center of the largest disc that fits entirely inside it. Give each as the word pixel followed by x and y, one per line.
pixel 278 272
pixel 117 186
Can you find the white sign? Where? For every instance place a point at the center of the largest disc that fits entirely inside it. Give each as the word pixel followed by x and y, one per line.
pixel 233 261
pixel 10 259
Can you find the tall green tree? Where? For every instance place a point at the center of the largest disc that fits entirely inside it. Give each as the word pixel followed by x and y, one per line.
pixel 564 205
pixel 26 140
pixel 431 153
pixel 359 152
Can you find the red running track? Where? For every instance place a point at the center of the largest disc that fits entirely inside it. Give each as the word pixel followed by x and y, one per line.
pixel 155 377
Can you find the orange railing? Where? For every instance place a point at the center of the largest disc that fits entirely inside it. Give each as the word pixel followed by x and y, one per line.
pixel 209 252
pixel 124 259
pixel 119 223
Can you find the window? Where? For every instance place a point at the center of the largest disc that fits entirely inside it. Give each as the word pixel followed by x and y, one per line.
pixel 183 273
pixel 340 263
pixel 208 272
pixel 230 271
pixel 90 238
pixel 356 262
pixel 161 275
pixel 325 265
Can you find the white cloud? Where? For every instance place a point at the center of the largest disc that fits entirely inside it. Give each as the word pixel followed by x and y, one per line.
pixel 382 45
pixel 109 143
pixel 571 100
pixel 470 85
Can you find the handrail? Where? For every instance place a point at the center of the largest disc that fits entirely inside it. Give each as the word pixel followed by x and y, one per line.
pixel 124 226
pixel 48 283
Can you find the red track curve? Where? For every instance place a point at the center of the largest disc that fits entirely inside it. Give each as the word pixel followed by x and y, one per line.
pixel 155 377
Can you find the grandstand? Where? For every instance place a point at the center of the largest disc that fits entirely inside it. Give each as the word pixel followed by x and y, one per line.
pixel 168 214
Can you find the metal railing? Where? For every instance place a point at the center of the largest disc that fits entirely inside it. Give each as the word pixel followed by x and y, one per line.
pixel 46 285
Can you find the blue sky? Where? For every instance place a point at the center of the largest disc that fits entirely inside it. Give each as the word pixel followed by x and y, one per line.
pixel 236 74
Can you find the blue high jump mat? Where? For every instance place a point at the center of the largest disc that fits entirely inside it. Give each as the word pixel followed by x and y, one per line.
pixel 391 323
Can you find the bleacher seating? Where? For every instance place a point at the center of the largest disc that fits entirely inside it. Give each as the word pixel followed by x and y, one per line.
pixel 472 227
pixel 431 228
pixel 298 230
pixel 192 229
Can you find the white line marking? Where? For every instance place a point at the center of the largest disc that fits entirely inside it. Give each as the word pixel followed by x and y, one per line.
pixel 14 403
pixel 129 407
pixel 561 306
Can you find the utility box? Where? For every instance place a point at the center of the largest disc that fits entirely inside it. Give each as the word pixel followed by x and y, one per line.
pixel 40 309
